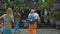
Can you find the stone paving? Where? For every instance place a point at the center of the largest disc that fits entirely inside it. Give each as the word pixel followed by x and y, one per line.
pixel 39 31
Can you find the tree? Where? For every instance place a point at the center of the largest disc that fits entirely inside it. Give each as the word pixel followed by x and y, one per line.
pixel 15 4
pixel 46 4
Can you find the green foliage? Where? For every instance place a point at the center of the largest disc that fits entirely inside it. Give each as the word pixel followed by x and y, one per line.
pixel 41 2
pixel 50 2
pixel 15 4
pixel 19 2
pixel 46 4
pixel 1 12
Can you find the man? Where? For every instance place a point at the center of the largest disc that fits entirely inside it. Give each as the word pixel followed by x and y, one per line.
pixel 33 19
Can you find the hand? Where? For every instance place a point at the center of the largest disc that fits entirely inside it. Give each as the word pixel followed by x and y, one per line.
pixel 23 20
pixel 18 14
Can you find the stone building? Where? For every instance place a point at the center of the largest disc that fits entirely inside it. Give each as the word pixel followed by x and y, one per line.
pixel 2 6
pixel 57 5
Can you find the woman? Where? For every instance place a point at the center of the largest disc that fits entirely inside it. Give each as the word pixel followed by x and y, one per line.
pixel 8 20
pixel 33 18
pixel 17 17
pixel 45 16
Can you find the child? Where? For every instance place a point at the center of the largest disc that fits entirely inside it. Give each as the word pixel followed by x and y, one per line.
pixel 17 20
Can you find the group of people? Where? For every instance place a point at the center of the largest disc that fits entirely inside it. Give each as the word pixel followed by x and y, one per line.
pixel 11 18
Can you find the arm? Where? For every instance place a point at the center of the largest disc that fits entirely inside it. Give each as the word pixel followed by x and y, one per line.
pixel 19 14
pixel 2 16
pixel 12 19
pixel 28 17
pixel 37 18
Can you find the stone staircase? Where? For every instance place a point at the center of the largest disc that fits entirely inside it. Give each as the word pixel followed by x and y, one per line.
pixel 43 26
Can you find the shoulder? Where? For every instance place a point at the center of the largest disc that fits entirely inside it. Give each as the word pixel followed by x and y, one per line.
pixel 36 13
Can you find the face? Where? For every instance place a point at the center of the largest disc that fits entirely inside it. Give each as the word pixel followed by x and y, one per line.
pixel 17 11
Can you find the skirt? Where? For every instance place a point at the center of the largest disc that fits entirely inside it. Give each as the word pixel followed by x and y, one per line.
pixel 7 29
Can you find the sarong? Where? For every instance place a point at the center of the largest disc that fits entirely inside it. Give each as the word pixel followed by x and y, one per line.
pixel 32 28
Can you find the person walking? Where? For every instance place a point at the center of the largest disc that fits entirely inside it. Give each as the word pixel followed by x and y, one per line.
pixel 33 19
pixel 8 19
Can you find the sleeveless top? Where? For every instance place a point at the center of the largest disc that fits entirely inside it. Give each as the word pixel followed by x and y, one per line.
pixel 6 20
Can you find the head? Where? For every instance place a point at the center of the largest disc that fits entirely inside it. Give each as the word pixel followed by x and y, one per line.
pixel 16 13
pixel 9 12
pixel 33 11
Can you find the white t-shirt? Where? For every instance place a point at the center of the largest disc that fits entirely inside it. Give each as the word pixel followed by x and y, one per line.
pixel 45 12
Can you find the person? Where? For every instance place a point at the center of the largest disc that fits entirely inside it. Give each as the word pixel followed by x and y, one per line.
pixel 17 17
pixel 45 16
pixel 25 24
pixel 8 20
pixel 33 19
pixel 1 23
pixel 24 16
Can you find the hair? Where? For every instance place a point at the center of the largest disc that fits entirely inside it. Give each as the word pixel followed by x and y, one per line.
pixel 16 14
pixel 33 10
pixel 9 13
